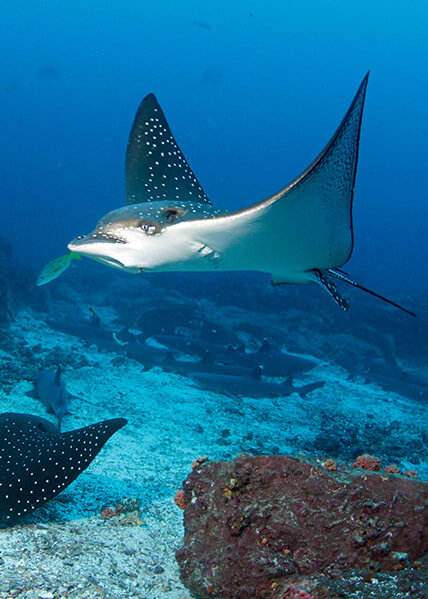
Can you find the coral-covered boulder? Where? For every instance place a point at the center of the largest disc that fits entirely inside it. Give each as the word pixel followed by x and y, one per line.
pixel 255 526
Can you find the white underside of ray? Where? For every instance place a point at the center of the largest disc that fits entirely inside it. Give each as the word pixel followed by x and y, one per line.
pixel 299 229
pixel 285 236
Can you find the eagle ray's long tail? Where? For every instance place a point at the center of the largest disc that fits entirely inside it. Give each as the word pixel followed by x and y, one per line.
pixel 343 276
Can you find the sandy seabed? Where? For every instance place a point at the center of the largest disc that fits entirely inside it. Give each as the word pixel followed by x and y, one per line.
pixel 67 549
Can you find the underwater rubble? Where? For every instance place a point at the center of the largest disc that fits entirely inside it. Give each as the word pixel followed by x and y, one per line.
pixel 282 527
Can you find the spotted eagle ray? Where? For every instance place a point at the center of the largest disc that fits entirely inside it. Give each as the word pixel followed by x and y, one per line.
pixel 301 234
pixel 37 461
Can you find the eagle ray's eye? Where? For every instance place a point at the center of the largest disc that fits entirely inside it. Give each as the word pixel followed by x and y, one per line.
pixel 144 227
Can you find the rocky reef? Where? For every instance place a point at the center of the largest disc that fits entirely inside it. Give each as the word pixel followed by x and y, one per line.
pixel 276 526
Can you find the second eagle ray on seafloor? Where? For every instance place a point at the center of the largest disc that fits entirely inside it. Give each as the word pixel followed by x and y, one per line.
pixel 37 461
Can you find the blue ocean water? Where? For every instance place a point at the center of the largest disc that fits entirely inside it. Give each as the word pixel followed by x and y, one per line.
pixel 252 90
pixel 202 364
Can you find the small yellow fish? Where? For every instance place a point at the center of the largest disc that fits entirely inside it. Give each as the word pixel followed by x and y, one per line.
pixel 56 267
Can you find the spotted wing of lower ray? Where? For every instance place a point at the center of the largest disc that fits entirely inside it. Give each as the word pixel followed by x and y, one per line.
pixel 156 169
pixel 37 462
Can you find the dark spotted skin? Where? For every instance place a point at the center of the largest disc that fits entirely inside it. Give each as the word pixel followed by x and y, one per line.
pixel 37 462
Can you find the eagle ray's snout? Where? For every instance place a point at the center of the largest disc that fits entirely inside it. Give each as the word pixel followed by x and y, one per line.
pixel 97 237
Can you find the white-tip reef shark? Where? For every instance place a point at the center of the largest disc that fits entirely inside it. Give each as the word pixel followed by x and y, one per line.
pixel 50 388
pixel 251 386
pixel 302 234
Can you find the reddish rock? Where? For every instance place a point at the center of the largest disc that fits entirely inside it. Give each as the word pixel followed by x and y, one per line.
pixel 199 461
pixel 368 462
pixel 256 526
pixel 410 473
pixel 179 499
pixel 329 464
pixel 392 469
pixel 108 512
